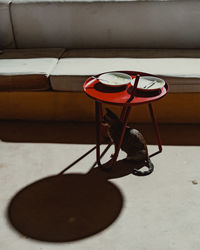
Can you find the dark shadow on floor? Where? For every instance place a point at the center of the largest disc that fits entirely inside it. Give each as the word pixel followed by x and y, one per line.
pixel 65 208
pixel 84 133
pixel 69 207
pixel 47 132
pixel 121 169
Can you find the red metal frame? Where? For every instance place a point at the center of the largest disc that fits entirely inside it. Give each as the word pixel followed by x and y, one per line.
pixel 127 99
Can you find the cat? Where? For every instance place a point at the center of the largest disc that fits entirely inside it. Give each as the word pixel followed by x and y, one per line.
pixel 133 143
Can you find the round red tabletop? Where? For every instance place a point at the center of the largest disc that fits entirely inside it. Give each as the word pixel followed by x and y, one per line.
pixel 120 95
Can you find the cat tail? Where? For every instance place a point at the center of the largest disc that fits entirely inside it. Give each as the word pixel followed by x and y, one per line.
pixel 149 165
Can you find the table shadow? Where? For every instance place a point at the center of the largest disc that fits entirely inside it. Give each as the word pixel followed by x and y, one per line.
pixel 108 89
pixel 69 207
pixel 65 207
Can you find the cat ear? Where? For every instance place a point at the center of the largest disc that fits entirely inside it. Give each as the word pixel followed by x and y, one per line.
pixel 111 114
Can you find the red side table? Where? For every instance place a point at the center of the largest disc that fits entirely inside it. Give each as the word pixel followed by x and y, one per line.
pixel 126 96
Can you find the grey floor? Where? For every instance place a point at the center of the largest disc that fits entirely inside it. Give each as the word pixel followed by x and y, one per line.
pixel 85 208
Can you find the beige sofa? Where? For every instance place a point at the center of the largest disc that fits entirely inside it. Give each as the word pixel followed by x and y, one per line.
pixel 50 47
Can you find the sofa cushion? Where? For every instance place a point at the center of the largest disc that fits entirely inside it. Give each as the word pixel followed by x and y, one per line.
pixel 106 23
pixel 6 32
pixel 27 69
pixel 180 68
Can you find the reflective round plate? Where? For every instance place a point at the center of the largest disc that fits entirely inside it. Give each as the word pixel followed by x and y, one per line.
pixel 149 83
pixel 115 79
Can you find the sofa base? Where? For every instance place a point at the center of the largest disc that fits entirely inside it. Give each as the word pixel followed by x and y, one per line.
pixel 76 106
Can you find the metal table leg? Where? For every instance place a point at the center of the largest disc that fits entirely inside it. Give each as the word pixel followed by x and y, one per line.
pixel 99 118
pixel 155 124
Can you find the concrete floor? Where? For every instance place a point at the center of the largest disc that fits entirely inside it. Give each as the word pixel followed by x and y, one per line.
pixel 87 208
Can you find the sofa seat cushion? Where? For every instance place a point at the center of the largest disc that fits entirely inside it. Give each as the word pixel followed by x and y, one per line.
pixel 180 68
pixel 27 69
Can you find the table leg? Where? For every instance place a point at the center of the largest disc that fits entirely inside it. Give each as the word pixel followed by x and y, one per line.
pixel 124 118
pixel 99 119
pixel 155 124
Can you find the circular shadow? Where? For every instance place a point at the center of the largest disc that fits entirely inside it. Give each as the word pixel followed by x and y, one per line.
pixel 65 208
